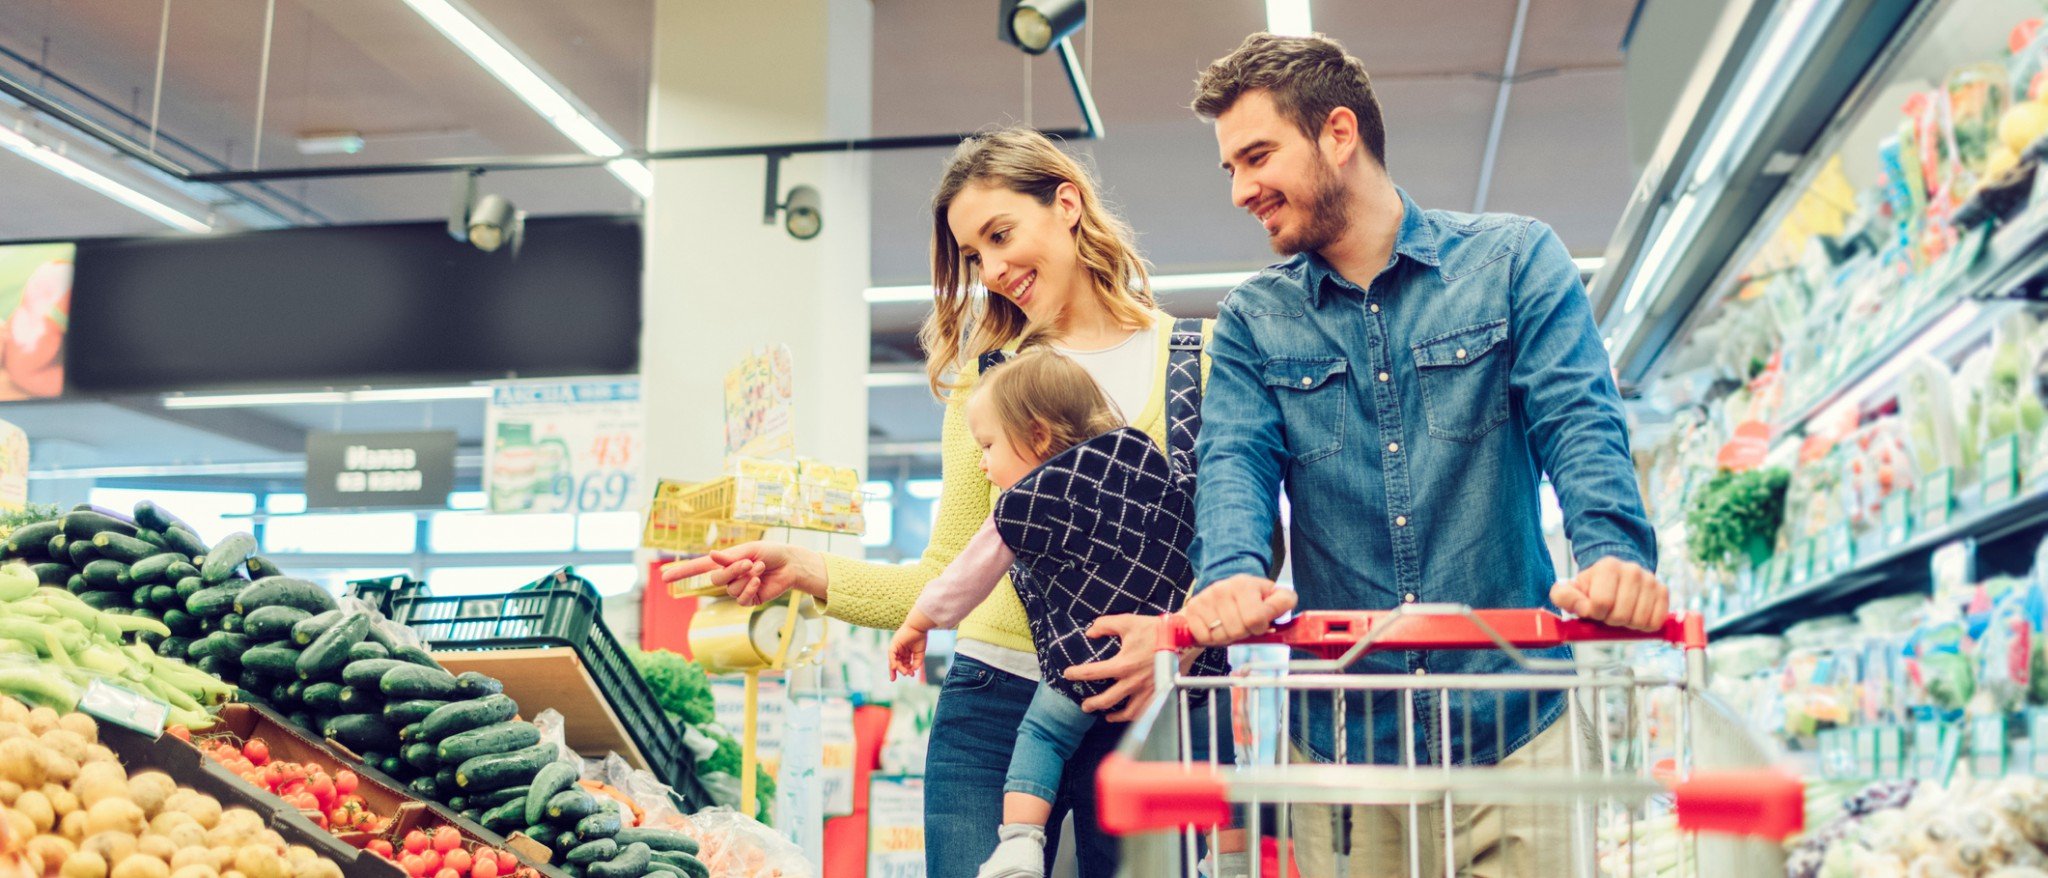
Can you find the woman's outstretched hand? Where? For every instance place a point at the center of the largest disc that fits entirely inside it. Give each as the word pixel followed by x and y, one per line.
pixel 756 573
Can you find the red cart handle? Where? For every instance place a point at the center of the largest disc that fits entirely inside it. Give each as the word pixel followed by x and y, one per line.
pixel 1763 803
pixel 1331 633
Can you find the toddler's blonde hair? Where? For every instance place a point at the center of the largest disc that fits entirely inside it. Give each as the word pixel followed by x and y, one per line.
pixel 1044 401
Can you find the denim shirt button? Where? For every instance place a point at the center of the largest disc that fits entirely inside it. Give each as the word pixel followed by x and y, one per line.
pixel 1461 353
pixel 1307 381
pixel 1400 521
pixel 1383 377
pixel 1394 447
pixel 1409 597
pixel 1375 307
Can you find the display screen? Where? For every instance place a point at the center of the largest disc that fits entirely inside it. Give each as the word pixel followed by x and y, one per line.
pixel 35 303
pixel 354 305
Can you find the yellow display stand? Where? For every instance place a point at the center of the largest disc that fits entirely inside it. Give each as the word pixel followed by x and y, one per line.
pixel 729 638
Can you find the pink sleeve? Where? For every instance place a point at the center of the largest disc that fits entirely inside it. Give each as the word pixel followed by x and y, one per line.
pixel 969 579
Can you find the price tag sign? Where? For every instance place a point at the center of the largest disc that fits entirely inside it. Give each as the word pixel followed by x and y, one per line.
pixel 1988 752
pixel 1805 562
pixel 896 827
pixel 1898 517
pixel 1937 501
pixel 1927 750
pixel 124 707
pixel 1841 548
pixel 1891 751
pixel 564 446
pixel 2037 735
pixel 2001 471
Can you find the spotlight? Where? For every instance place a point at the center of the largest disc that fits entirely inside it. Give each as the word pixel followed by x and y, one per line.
pixel 801 216
pixel 1038 25
pixel 487 223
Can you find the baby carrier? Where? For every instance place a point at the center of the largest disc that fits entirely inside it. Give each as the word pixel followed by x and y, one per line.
pixel 1104 527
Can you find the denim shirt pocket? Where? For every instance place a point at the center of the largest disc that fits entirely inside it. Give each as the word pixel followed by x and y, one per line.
pixel 1465 381
pixel 1311 393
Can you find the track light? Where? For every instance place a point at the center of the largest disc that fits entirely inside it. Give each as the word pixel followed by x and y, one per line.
pixel 1038 25
pixel 802 210
pixel 489 222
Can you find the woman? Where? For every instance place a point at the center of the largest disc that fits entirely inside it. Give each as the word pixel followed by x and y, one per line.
pixel 1019 217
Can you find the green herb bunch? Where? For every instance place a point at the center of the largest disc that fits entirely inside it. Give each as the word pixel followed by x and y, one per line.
pixel 1736 517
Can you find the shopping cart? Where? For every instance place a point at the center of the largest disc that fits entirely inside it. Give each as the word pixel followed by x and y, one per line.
pixel 1649 762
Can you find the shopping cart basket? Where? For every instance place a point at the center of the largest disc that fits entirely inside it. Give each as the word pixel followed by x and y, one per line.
pixel 1650 760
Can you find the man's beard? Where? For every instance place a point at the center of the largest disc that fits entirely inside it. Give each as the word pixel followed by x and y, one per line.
pixel 1329 214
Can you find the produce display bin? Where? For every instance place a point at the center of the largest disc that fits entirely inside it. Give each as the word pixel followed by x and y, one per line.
pixel 560 610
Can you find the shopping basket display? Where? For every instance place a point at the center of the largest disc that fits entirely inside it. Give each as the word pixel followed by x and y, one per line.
pixel 1648 761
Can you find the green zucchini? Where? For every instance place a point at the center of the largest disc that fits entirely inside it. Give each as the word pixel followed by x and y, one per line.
pixel 571 805
pixel 505 769
pixel 123 548
pixel 409 713
pixel 77 584
pixel 59 548
pixel 154 538
pixel 154 567
pixel 457 802
pixel 226 556
pixel 165 598
pixel 156 518
pixel 180 622
pixel 504 818
pixel 602 824
pixel 233 622
pixel 52 573
pixel 362 732
pixel 272 623
pixel 326 655
pixel 426 788
pixel 367 672
pixel 658 839
pixel 255 681
pixel 594 851
pixel 631 862
pixel 284 590
pixel 411 654
pixel 218 666
pixel 280 694
pixel 544 834
pixel 367 650
pixel 323 697
pixel 106 573
pixel 358 699
pixel 565 838
pixel 213 602
pixel 446 776
pixel 188 586
pixel 408 733
pixel 260 567
pixel 81 552
pixel 461 716
pixel 470 684
pixel 412 681
pixel 84 524
pixel 553 778
pixel 33 538
pixel 275 659
pixel 494 798
pixel 501 737
pixel 182 570
pixel 309 629
pixel 390 765
pixel 184 540
pixel 174 646
pixel 106 600
pixel 660 869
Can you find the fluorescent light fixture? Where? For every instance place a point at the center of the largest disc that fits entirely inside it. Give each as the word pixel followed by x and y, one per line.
pixel 21 145
pixel 1288 18
pixel 898 378
pixel 421 394
pixel 1590 264
pixel 1738 114
pixel 331 143
pixel 1161 283
pixel 1933 337
pixel 327 397
pixel 467 31
pixel 1652 270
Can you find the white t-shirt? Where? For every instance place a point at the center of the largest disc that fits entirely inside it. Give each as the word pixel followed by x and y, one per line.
pixel 1125 371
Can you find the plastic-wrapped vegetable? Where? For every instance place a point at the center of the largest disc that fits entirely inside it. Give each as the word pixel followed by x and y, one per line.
pixel 2005 651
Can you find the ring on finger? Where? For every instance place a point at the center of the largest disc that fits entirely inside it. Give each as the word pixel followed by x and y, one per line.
pixel 1215 624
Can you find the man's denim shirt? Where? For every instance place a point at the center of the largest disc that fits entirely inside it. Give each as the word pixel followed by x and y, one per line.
pixel 1411 423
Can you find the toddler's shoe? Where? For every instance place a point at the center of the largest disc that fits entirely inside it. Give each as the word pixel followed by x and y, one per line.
pixel 1019 854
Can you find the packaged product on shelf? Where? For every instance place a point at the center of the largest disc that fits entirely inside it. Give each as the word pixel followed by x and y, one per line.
pixel 2006 651
pixel 733 844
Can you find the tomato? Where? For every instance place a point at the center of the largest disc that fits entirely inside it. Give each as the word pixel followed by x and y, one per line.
pixel 322 788
pixel 413 865
pixel 486 867
pixel 380 847
pixel 447 873
pixel 181 733
pixel 345 782
pixel 415 841
pixel 507 863
pixel 257 751
pixel 457 859
pixel 447 839
pixel 432 858
pixel 320 820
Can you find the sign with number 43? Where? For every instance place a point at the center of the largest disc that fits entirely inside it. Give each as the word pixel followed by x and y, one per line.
pixel 564 446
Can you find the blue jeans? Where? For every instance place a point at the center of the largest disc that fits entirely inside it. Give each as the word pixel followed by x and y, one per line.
pixel 973 737
pixel 1053 728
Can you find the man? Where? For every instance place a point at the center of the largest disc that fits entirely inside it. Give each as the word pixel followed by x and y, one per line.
pixel 1409 376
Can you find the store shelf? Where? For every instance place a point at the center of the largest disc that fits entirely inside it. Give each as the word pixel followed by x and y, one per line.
pixel 1888 571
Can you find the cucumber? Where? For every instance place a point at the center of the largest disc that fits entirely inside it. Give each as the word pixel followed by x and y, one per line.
pixel 106 600
pixel 276 590
pixel 362 732
pixel 106 573
pixel 323 697
pixel 77 584
pixel 294 691
pixel 501 737
pixel 658 839
pixel 571 805
pixel 408 733
pixel 408 713
pixel 499 796
pixel 184 540
pixel 603 824
pixel 358 699
pixel 366 650
pixel 565 838
pixel 446 777
pixel 304 720
pixel 504 818
pixel 596 851
pixel 174 646
pixel 367 672
pixel 52 573
pixel 154 567
pixel 260 567
pixel 254 681
pixel 660 869
pixel 553 778
pixel 181 623
pixel 411 654
pixel 459 803
pixel 272 623
pixel 123 548
pixel 156 518
pixel 165 597
pixel 154 538
pixel 412 681
pixel 310 628
pixel 233 622
pixel 84 524
pixel 213 602
pixel 544 834
pixel 59 548
pixel 420 756
pixel 280 694
pixel 470 684
pixel 390 765
pixel 226 556
pixel 81 552
pixel 425 788
pixel 631 862
pixel 275 659
pixel 34 538
pixel 505 769
pixel 327 654
pixel 188 586
pixel 461 716
pixel 218 666
pixel 183 570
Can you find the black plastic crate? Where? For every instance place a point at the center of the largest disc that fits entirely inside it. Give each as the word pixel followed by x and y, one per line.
pixel 560 609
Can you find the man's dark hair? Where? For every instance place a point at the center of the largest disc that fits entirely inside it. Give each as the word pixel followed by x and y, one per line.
pixel 1307 77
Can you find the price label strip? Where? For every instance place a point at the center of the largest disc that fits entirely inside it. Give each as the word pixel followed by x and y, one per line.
pixel 124 707
pixel 1938 500
pixel 2001 471
pixel 1898 517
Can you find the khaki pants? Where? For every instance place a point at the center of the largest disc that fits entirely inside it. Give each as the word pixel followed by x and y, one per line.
pixel 1490 841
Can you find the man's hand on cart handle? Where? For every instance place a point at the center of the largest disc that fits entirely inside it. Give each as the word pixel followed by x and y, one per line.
pixel 1232 609
pixel 1130 667
pixel 756 573
pixel 1616 592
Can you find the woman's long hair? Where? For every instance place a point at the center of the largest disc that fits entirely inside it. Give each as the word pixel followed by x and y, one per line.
pixel 962 326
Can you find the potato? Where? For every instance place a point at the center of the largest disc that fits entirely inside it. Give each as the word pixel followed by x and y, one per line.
pixel 187 835
pixel 231 873
pixel 24 761
pixel 114 846
pixel 115 815
pixel 72 826
pixel 156 846
pixel 319 869
pixel 99 753
pixel 141 866
pixel 269 838
pixel 222 857
pixel 151 789
pixel 9 791
pixel 192 856
pixel 52 848
pixel 194 870
pixel 61 798
pixel 71 745
pixel 163 823
pixel 40 720
pixel 11 710
pixel 260 862
pixel 37 808
pixel 85 864
pixel 100 781
pixel 19 822
pixel 299 855
pixel 203 808
pixel 81 725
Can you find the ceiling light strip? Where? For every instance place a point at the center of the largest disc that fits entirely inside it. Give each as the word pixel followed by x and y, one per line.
pixel 1161 283
pixel 550 99
pixel 1289 18
pixel 21 145
pixel 327 397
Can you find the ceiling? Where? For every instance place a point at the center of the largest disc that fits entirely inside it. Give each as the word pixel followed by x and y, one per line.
pixel 374 67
